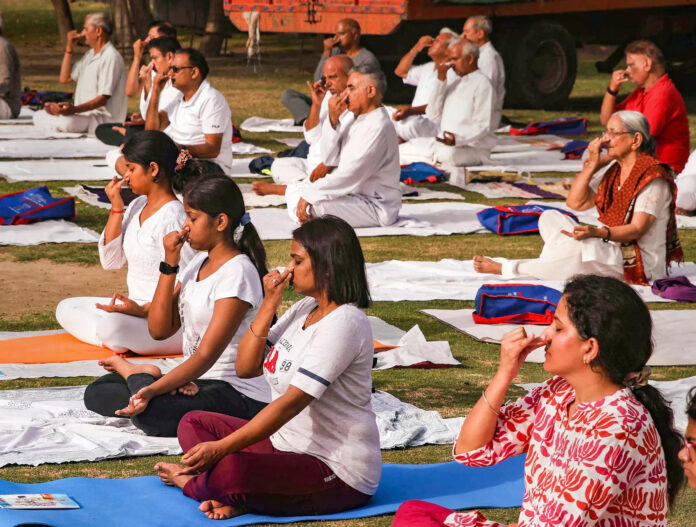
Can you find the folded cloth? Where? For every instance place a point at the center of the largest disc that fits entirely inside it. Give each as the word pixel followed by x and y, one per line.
pixel 675 288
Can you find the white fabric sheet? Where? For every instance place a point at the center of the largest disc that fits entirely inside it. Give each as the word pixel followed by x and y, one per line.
pixel 56 170
pixel 673 330
pixel 53 148
pixel 413 349
pixel 240 168
pixel 248 148
pixel 29 131
pixel 52 231
pixel 396 280
pixel 261 124
pixel 25 116
pixel 292 142
pixel 525 143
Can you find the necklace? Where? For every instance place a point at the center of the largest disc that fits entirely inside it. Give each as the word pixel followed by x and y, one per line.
pixel 310 317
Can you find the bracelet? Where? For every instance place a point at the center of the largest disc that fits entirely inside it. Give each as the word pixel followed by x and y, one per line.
pixel 112 211
pixel 605 240
pixel 483 394
pixel 257 336
pixel 612 92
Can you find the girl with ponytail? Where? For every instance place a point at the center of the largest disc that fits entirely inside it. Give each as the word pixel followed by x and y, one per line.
pixel 600 443
pixel 212 300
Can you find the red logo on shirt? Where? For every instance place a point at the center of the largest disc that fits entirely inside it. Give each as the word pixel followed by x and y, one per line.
pixel 271 360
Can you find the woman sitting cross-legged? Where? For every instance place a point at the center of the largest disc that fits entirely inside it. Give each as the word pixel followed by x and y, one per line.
pixel 315 448
pixel 600 443
pixel 213 301
pixel 635 198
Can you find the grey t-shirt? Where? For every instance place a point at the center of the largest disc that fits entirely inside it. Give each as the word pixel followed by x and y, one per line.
pixel 10 81
pixel 364 59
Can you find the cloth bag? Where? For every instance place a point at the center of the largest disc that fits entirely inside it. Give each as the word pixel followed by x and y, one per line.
pixel 675 288
pixel 36 204
pixel 522 219
pixel 515 304
pixel 420 172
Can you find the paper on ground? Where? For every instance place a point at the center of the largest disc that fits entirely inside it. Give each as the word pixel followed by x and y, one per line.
pixel 25 116
pixel 56 170
pixel 29 131
pixel 53 148
pixel 261 124
pixel 52 231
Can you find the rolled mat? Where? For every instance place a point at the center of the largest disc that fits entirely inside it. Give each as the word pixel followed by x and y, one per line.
pixel 147 501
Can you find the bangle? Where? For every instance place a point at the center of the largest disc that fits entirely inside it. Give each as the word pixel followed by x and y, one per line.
pixel 68 51
pixel 608 236
pixel 257 336
pixel 113 211
pixel 483 394
pixel 612 92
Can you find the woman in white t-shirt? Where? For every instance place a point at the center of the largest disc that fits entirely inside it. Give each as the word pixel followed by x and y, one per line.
pixel 213 301
pixel 134 236
pixel 315 448
pixel 635 197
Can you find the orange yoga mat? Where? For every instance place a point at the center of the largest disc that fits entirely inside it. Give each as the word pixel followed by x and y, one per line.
pixel 61 347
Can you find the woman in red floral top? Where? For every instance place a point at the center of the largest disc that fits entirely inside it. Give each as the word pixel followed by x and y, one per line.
pixel 601 447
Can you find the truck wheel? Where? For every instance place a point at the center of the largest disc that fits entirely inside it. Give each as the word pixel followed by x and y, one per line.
pixel 541 64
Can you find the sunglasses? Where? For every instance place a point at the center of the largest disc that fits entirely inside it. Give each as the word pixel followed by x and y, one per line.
pixel 177 69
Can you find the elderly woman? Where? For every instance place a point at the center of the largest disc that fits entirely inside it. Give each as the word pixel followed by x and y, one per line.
pixel 635 198
pixel 687 455
pixel 600 443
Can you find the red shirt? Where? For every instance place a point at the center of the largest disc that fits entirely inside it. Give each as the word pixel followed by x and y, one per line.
pixel 664 108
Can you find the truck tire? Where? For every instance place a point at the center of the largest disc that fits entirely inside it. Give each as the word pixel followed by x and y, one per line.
pixel 541 64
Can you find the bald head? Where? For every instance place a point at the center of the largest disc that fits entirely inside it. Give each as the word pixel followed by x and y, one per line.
pixel 336 70
pixel 348 35
pixel 342 63
pixel 350 24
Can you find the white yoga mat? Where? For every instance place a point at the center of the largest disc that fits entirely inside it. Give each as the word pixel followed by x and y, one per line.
pixel 29 131
pixel 52 231
pixel 524 143
pixel 261 124
pixel 248 148
pixel 53 148
pixel 673 333
pixel 415 219
pixel 498 190
pixel 56 170
pixel 25 116
pixel 447 279
pixel 240 168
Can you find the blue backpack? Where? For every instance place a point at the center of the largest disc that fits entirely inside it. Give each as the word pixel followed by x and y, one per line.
pixel 36 204
pixel 515 304
pixel 522 219
pixel 421 173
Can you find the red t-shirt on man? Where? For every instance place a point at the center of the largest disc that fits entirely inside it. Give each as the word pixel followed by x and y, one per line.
pixel 664 108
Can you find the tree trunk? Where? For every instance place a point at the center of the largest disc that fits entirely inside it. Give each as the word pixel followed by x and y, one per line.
pixel 142 16
pixel 214 30
pixel 64 18
pixel 122 25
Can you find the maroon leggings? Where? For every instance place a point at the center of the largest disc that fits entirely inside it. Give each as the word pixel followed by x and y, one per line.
pixel 262 479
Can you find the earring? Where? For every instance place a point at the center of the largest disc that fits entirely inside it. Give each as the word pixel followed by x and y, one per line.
pixel 584 361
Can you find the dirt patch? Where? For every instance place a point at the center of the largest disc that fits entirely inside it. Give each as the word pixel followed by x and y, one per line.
pixel 32 287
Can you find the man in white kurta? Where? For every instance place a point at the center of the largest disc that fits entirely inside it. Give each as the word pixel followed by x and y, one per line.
pixel 100 93
pixel 364 188
pixel 464 110
pixel 478 29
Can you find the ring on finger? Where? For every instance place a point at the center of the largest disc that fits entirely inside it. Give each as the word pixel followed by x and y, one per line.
pixel 275 281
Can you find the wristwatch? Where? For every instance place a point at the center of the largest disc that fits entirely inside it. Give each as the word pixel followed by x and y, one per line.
pixel 165 268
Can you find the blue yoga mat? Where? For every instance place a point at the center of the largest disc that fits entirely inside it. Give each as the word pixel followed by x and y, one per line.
pixel 145 501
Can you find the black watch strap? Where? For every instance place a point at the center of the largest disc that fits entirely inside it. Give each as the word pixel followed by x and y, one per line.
pixel 165 268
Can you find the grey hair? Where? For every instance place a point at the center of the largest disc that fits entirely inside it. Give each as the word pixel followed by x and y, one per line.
pixel 101 20
pixel 637 123
pixel 454 40
pixel 482 23
pixel 376 76
pixel 448 31
pixel 469 48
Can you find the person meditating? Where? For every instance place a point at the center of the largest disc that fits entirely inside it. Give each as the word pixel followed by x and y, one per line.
pixel 133 236
pixel 315 448
pixel 687 455
pixel 600 443
pixel 213 300
pixel 635 198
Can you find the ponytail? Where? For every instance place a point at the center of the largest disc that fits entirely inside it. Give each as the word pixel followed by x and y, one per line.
pixel 249 243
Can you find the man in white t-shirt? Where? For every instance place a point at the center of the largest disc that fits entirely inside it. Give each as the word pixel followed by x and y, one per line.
pixel 411 121
pixel 100 75
pixel 202 121
pixel 478 29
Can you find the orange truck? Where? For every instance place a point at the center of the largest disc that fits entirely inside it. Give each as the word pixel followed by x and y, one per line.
pixel 538 39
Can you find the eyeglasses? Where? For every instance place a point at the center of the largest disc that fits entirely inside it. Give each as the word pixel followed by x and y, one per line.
pixel 177 69
pixel 614 134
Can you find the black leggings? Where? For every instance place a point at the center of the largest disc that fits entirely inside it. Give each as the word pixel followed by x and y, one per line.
pixel 163 413
pixel 107 135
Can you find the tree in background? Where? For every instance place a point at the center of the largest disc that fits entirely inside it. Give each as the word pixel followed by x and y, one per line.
pixel 141 16
pixel 64 18
pixel 214 33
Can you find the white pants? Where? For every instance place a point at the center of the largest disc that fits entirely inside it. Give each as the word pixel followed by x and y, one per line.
pixel 112 157
pixel 428 150
pixel 562 256
pixel 413 126
pixel 285 170
pixel 5 110
pixel 65 123
pixel 686 185
pixel 116 331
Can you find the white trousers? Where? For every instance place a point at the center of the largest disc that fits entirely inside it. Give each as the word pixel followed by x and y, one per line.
pixel 116 331
pixel 65 123
pixel 5 110
pixel 286 170
pixel 562 256
pixel 686 191
pixel 428 150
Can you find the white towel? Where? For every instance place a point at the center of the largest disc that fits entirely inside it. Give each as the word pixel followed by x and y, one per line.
pixel 52 231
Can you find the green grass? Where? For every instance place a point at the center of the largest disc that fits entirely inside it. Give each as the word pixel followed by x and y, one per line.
pixel 452 392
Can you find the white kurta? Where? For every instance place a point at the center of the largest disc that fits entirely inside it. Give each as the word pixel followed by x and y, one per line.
pixel 686 185
pixel 364 188
pixel 490 63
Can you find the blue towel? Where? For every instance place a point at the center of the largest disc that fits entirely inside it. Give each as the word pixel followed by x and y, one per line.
pixel 145 501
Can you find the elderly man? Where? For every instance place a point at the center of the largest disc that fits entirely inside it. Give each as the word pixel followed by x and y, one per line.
pixel 464 110
pixel 346 41
pixel 318 131
pixel 410 121
pixel 202 121
pixel 100 76
pixel 10 80
pixel 655 97
pixel 478 30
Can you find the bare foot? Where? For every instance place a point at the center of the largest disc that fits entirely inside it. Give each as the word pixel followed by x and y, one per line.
pixel 264 188
pixel 121 366
pixel 167 474
pixel 483 264
pixel 216 510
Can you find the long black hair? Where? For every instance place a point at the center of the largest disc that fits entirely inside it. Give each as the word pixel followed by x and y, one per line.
pixel 612 312
pixel 218 194
pixel 337 259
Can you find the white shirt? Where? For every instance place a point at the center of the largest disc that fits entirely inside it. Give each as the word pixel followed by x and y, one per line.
pixel 331 361
pixel 206 112
pixel 103 73
pixel 236 278
pixel 423 77
pixel 368 167
pixel 169 98
pixel 140 246
pixel 490 63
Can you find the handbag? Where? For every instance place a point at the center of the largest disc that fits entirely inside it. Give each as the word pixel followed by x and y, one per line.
pixel 521 219
pixel 35 204
pixel 515 304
